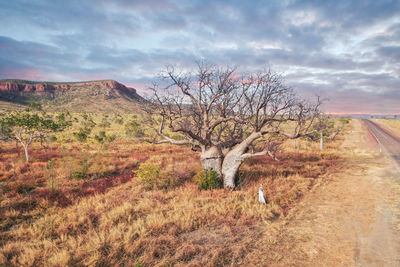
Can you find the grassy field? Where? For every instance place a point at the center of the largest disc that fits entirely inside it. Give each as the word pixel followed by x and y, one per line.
pixel 391 124
pixel 79 203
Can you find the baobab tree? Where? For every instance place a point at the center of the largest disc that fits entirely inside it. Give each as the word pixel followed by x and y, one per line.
pixel 227 115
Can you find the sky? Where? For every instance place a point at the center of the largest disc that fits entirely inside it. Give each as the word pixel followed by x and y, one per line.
pixel 346 51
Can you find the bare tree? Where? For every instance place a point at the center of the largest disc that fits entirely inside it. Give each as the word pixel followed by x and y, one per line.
pixel 225 115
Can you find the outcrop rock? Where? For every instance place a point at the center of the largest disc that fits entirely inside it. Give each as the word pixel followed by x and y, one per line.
pixel 93 96
pixel 21 86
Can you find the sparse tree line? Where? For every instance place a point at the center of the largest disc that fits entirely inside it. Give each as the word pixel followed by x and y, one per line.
pixel 225 115
pixel 29 125
pixel 33 124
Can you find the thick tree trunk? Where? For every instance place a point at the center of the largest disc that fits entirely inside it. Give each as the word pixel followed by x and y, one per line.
pixel 233 159
pixel 227 166
pixel 230 167
pixel 211 159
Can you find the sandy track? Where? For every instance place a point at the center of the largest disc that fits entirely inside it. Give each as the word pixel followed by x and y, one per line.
pixel 351 220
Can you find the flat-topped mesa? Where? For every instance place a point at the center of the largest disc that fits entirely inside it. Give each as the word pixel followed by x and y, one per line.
pixel 20 85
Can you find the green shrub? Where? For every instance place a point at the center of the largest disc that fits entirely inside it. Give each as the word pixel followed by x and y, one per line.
pixel 239 179
pixel 84 167
pixel 100 137
pixel 152 177
pixel 77 175
pixel 134 128
pixel 104 122
pixel 81 136
pixel 208 180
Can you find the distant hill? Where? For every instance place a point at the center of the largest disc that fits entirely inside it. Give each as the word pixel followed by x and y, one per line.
pixel 92 96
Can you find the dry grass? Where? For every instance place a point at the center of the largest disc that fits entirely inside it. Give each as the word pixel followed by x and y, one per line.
pixel 391 124
pixel 108 218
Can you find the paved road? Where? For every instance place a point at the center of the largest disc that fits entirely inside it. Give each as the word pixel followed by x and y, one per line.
pixel 389 142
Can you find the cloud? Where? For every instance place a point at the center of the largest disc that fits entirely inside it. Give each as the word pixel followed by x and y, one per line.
pixel 343 48
pixel 392 53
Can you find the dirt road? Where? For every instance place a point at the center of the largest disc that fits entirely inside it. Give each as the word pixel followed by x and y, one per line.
pixel 351 219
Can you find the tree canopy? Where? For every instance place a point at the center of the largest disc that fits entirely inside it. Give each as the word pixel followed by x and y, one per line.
pixel 224 113
pixel 29 125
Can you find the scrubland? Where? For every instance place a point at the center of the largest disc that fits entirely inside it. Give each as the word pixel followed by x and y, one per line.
pixel 78 202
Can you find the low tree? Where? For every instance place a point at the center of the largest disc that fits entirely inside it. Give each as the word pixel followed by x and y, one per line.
pixel 225 114
pixel 328 128
pixel 29 125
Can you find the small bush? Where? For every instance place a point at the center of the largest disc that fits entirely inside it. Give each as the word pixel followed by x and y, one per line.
pixel 239 179
pixel 133 128
pixel 81 136
pixel 104 122
pixel 100 137
pixel 52 138
pixel 148 174
pixel 111 138
pixel 77 175
pixel 152 177
pixel 84 167
pixel 208 180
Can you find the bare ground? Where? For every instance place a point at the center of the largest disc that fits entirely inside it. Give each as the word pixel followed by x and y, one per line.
pixel 352 219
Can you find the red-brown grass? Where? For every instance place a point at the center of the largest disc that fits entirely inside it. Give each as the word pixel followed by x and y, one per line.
pixel 107 218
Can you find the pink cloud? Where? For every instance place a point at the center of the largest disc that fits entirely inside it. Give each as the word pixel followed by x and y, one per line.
pixel 361 102
pixel 24 73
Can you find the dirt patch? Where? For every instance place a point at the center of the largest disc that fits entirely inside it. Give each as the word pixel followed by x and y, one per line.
pixel 352 220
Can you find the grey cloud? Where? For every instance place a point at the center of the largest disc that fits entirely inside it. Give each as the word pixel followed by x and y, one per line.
pixel 390 52
pixel 317 42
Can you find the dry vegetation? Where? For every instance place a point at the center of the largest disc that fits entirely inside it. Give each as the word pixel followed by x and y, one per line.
pixel 86 207
pixel 391 124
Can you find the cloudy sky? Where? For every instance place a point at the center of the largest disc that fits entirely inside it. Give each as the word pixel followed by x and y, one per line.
pixel 346 51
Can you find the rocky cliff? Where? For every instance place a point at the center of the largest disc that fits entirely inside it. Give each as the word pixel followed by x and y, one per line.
pixel 77 94
pixel 28 86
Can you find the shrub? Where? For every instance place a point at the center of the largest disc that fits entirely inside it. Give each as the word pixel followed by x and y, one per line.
pixel 152 177
pixel 104 122
pixel 84 167
pixel 208 180
pixel 133 128
pixel 111 138
pixel 148 174
pixel 100 136
pixel 119 120
pixel 81 136
pixel 239 179
pixel 52 138
pixel 77 175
